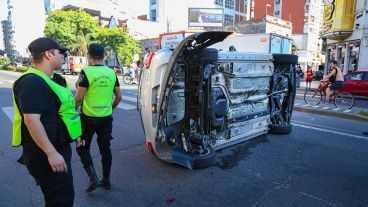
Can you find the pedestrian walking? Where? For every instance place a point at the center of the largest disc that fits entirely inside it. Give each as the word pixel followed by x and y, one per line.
pixel 45 122
pixel 309 75
pixel 96 86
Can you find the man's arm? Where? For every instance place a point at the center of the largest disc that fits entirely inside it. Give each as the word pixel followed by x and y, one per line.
pixel 117 98
pixel 39 136
pixel 79 96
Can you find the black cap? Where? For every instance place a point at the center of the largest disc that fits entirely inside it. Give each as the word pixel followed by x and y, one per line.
pixel 43 44
pixel 96 50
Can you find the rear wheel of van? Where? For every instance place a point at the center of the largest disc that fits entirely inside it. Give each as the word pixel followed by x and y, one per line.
pixel 280 129
pixel 206 159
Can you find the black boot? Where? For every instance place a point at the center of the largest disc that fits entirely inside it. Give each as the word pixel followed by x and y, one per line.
pixel 94 182
pixel 105 181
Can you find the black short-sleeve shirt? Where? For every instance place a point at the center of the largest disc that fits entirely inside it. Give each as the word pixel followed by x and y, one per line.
pixel 33 96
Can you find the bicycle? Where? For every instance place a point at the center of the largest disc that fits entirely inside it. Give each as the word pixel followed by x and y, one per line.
pixel 127 77
pixel 342 100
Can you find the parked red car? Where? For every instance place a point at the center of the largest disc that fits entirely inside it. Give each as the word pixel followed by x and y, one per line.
pixel 356 83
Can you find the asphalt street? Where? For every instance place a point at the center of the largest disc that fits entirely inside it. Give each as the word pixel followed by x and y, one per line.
pixel 322 162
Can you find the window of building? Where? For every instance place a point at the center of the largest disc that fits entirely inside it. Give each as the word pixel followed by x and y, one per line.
pixel 229 4
pixel 153 15
pixel 153 2
pixel 229 18
pixel 219 2
pixel 307 8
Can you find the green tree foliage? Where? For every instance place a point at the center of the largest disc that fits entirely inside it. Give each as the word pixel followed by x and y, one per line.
pixel 121 44
pixel 70 28
pixel 77 29
pixel 4 60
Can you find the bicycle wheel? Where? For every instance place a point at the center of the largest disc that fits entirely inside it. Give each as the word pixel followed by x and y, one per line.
pixel 127 79
pixel 344 100
pixel 312 97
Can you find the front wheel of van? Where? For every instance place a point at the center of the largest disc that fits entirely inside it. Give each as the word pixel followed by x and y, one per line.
pixel 206 159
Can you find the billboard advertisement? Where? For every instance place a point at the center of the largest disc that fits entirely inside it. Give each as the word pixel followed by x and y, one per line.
pixel 202 17
pixel 170 41
pixel 338 19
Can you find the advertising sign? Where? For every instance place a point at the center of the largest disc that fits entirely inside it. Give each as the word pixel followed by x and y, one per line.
pixel 171 41
pixel 202 17
pixel 149 45
pixel 338 19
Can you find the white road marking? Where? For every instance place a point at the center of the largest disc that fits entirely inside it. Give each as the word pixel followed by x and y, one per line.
pixel 9 112
pixel 331 131
pixel 10 81
pixel 316 106
pixel 297 104
pixel 126 106
pixel 129 92
pixel 129 99
pixel 347 111
pixel 327 107
pixel 1 82
pixel 306 105
pixel 337 109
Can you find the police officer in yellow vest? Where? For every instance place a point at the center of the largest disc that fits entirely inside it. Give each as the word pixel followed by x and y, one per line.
pixel 45 122
pixel 96 85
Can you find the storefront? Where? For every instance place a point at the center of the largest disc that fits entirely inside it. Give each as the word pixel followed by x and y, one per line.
pixel 346 54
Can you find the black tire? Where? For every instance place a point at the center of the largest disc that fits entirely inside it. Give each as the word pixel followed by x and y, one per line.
pixel 210 54
pixel 280 129
pixel 312 97
pixel 206 160
pixel 344 100
pixel 285 59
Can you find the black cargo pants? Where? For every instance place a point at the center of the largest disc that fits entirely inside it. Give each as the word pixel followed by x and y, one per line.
pixel 57 188
pixel 102 126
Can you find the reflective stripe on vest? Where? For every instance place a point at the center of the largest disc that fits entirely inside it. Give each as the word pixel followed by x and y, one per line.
pixel 97 101
pixel 67 110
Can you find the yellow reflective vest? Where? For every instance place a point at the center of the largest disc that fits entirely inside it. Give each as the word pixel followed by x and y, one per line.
pixel 97 101
pixel 67 110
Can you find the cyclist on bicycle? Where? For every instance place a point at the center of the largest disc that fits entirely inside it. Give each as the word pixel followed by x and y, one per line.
pixel 335 77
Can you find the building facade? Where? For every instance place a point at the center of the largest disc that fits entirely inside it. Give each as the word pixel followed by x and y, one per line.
pixel 21 31
pixel 174 14
pixel 347 40
pixel 306 17
pixel 6 36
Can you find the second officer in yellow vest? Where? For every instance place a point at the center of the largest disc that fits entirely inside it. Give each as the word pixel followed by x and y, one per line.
pixel 96 85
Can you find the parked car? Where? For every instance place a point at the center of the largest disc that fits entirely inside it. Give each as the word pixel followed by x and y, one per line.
pixel 194 100
pixel 356 83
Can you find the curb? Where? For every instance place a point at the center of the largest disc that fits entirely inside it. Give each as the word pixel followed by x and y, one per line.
pixel 355 117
